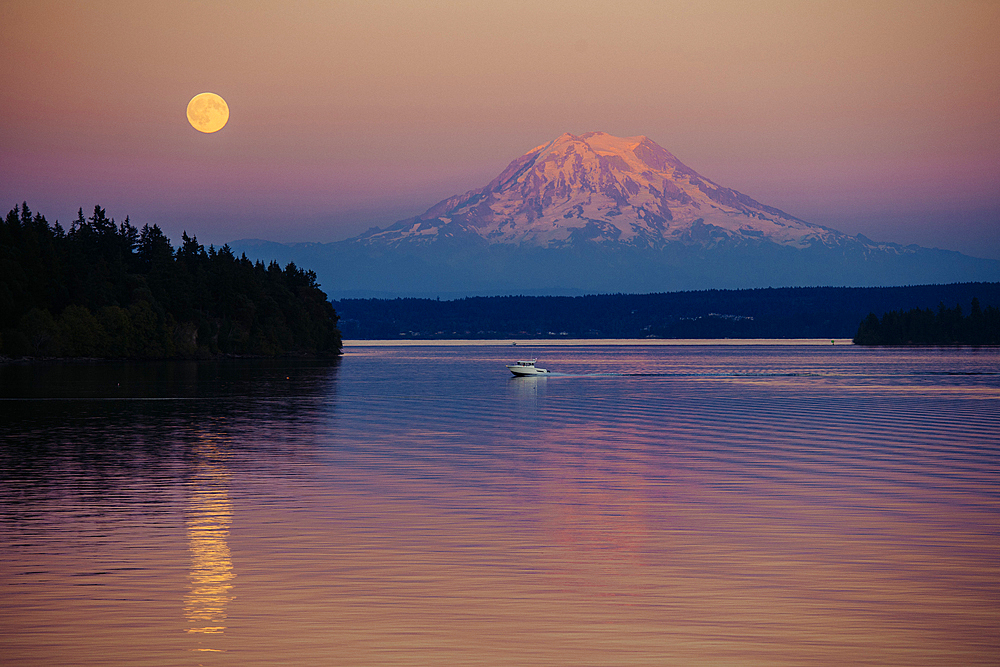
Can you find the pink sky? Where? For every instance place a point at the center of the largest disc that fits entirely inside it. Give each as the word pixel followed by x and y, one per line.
pixel 875 117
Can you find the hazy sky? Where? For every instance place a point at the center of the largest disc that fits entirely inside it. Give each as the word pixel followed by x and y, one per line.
pixel 875 117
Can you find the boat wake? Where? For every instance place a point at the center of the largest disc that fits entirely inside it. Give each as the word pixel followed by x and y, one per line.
pixel 748 374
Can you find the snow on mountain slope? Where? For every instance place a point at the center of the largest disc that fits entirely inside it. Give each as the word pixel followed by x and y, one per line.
pixel 608 190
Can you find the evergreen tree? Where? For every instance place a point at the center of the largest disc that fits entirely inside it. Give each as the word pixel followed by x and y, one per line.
pixel 924 327
pixel 105 289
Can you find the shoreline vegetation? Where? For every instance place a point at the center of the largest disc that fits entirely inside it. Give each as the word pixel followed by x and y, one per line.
pixel 764 313
pixel 103 290
pixel 925 327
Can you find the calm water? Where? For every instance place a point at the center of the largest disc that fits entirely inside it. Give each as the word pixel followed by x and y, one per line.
pixel 702 505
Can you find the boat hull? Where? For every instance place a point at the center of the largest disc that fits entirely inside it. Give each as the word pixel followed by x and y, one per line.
pixel 524 371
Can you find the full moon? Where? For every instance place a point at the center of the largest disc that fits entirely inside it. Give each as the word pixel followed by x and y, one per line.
pixel 207 112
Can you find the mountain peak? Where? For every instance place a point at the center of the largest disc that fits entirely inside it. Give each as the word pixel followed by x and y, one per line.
pixel 599 188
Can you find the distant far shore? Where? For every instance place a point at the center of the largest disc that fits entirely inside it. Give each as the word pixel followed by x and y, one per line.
pixel 575 342
pixel 788 313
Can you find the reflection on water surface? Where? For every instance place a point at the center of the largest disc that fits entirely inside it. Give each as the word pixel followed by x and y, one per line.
pixel 646 506
pixel 208 522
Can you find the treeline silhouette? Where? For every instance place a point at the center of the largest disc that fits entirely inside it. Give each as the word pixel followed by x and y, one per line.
pixel 925 327
pixel 787 312
pixel 111 290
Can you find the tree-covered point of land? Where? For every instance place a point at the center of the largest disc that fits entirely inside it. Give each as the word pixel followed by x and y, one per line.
pixel 109 290
pixel 925 327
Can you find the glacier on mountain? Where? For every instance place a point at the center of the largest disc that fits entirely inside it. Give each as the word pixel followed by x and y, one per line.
pixel 603 189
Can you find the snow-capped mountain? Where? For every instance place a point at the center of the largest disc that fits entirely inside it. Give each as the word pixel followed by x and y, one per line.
pixel 596 213
pixel 603 189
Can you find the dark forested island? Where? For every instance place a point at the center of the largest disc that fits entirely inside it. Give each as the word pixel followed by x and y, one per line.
pixel 919 326
pixel 108 290
pixel 786 312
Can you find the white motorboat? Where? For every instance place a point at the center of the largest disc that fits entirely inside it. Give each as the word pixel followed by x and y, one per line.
pixel 526 367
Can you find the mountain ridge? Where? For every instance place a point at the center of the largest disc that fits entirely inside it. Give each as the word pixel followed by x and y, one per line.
pixel 596 213
pixel 600 188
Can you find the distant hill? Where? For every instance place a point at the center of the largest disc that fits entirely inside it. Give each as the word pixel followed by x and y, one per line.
pixel 803 312
pixel 600 214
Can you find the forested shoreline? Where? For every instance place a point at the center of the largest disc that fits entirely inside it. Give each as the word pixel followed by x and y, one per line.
pixel 786 312
pixel 107 290
pixel 919 326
